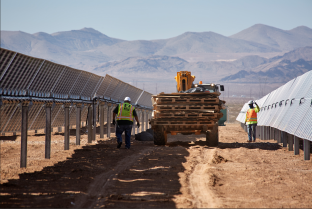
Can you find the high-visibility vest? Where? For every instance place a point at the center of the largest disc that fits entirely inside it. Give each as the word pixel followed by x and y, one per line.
pixel 251 116
pixel 125 112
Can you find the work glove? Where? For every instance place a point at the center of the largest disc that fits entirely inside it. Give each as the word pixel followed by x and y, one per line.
pixel 114 122
pixel 138 124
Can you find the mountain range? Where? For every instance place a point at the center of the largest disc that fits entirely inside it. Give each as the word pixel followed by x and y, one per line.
pixel 258 51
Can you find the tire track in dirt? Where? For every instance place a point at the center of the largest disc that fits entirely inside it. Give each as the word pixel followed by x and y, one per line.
pixel 96 190
pixel 197 179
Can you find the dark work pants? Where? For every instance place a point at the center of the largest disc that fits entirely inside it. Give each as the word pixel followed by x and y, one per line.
pixel 124 128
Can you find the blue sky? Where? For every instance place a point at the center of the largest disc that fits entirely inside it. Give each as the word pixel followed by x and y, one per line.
pixel 149 19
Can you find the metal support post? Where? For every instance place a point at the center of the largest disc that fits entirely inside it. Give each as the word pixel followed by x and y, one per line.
pixel 276 135
pixel 268 132
pixel 139 116
pixel 272 133
pixel 101 120
pixel 59 129
pixel 264 133
pixel 108 120
pixel 48 131
pixel 306 149
pixel 143 120
pixel 24 128
pixel 290 142
pixel 94 120
pixel 279 136
pixel 284 138
pixel 296 145
pixel 66 131
pixel 78 123
pixel 90 124
pixel 133 128
pixel 146 120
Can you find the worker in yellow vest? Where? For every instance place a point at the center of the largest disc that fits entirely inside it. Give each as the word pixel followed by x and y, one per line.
pixel 251 120
pixel 125 114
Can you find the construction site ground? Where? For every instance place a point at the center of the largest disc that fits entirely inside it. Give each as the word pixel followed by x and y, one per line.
pixel 183 174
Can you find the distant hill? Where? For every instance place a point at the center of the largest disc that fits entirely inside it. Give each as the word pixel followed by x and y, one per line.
pixel 277 69
pixel 87 48
pixel 283 40
pixel 244 57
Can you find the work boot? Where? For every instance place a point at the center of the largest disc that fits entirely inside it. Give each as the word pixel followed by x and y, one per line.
pixel 119 144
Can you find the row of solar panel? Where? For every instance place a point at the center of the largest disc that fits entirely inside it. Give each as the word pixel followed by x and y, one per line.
pixel 288 108
pixel 24 76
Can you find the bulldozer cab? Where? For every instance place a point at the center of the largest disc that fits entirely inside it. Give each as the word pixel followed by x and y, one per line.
pixel 211 87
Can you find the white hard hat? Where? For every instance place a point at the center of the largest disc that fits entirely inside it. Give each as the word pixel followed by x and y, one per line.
pixel 127 99
pixel 250 102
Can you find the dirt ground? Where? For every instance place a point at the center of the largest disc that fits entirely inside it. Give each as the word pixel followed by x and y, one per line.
pixel 185 173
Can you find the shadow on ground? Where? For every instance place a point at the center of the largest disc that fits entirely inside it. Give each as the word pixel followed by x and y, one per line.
pixel 8 138
pixel 60 185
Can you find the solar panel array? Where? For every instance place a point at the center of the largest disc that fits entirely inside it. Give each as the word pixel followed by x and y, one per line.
pixel 288 108
pixel 24 78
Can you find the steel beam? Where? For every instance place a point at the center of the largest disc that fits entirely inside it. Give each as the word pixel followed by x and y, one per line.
pixel 101 120
pixel 139 116
pixel 108 120
pixel 48 132
pixel 94 120
pixel 66 131
pixel 290 142
pixel 296 145
pixel 146 120
pixel 143 120
pixel 306 149
pixel 78 122
pixel 284 138
pixel 90 133
pixel 24 129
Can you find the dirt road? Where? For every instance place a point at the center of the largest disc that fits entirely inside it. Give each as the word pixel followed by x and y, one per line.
pixel 184 173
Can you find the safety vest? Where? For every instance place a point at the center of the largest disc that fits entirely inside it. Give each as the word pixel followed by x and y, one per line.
pixel 125 112
pixel 251 116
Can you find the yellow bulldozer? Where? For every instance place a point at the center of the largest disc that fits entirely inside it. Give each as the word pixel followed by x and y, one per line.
pixel 194 109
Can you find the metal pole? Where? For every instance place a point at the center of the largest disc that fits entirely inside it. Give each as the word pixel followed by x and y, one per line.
pixel 48 132
pixel 90 124
pixel 24 136
pixel 290 142
pixel 66 131
pixel 139 116
pixel 94 120
pixel 296 145
pixel 143 120
pixel 101 120
pixel 306 149
pixel 146 120
pixel 268 132
pixel 284 138
pixel 108 120
pixel 78 123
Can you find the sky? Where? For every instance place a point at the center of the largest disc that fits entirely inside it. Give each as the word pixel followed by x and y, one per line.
pixel 152 19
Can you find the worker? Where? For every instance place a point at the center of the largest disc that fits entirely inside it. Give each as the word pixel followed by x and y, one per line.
pixel 125 113
pixel 251 120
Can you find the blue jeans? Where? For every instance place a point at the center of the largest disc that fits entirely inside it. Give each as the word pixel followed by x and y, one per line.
pixel 124 128
pixel 251 129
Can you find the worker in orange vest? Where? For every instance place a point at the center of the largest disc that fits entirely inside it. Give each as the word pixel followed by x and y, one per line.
pixel 251 120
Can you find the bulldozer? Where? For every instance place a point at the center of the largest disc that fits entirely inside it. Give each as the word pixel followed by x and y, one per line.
pixel 194 109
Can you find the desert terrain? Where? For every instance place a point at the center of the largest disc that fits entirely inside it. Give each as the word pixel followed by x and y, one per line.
pixel 185 173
